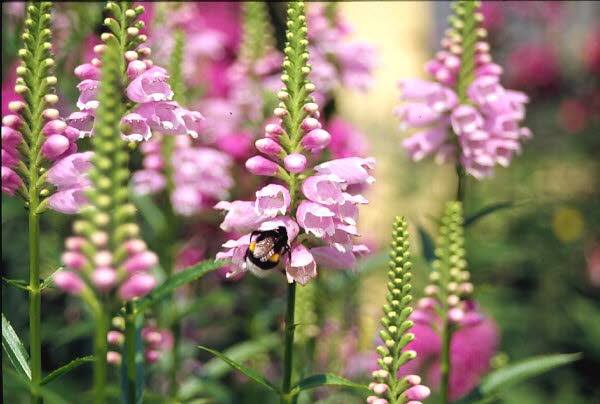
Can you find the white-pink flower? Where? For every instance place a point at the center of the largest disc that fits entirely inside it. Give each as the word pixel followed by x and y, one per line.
pixel 301 267
pixel 271 200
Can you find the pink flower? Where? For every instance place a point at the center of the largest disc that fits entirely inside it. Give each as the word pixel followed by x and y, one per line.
pixel 301 266
pixel 10 181
pixel 150 86
pixel 87 71
pixel 295 163
pixel 148 182
pixel 271 200
pixel 104 278
pixel 425 142
pixel 88 91
pixel 324 189
pixel 165 117
pixel 346 140
pixel 268 146
pixel 332 258
pixel 354 170
pixel 70 177
pixel 241 216
pixel 316 140
pixel 290 225
pixel 186 200
pixel 82 121
pixel 465 119
pixel 138 285
pixel 236 250
pixel 134 128
pixel 316 219
pixel 55 146
pixel 259 165
pixel 69 282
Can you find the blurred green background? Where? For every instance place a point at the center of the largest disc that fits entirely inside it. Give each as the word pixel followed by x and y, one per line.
pixel 535 264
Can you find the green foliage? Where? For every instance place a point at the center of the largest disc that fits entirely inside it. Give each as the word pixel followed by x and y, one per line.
pixel 175 281
pixel 176 68
pixel 395 321
pixel 66 369
pixel 465 23
pixel 14 349
pixel 325 380
pixel 257 35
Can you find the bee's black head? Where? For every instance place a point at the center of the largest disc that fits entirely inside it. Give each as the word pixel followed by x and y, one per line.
pixel 281 230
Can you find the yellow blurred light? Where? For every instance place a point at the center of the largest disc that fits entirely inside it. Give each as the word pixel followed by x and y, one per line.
pixel 567 224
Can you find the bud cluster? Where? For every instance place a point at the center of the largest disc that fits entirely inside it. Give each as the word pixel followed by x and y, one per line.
pixel 396 323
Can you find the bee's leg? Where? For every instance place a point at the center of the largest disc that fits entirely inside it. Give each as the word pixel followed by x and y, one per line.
pixel 254 233
pixel 287 250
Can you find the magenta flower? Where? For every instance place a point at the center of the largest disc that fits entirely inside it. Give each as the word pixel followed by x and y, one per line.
pixel 10 181
pixel 83 121
pixel 69 175
pixel 241 216
pixel 87 99
pixel 134 128
pixel 151 85
pixel 138 285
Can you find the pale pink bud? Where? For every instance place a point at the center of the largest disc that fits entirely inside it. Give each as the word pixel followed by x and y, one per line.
pixel 12 121
pixel 54 127
pixel 455 315
pixel 153 337
pixel 268 146
pixel 419 392
pixel 74 243
pixel 142 261
pixel 96 62
pixel 115 338
pixel 413 380
pixel 149 63
pixel 259 165
pixel 50 114
pixel 71 133
pixel 427 303
pixel 103 258
pixel 54 146
pixel 130 56
pixel 379 388
pixel 16 106
pixel 135 246
pixel 140 284
pixel 69 282
pixel 311 107
pixel 309 124
pixel 295 163
pixel 104 278
pixel 316 140
pixel 280 112
pixel 135 68
pixel 87 71
pixel 151 355
pixel 114 358
pixel 154 162
pixel 74 260
pixel 274 129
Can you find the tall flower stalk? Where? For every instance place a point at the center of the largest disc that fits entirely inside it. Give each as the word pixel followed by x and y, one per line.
pixel 32 139
pixel 389 389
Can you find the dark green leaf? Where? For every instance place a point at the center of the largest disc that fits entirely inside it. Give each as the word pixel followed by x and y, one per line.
pixel 252 374
pixel 427 245
pixel 523 370
pixel 14 349
pixel 326 379
pixel 23 382
pixel 487 210
pixel 17 283
pixel 65 369
pixel 48 281
pixel 216 368
pixel 177 280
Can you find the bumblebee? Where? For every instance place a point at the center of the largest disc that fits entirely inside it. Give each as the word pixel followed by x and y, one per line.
pixel 266 250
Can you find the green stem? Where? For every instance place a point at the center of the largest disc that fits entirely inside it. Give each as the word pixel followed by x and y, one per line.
pixel 289 342
pixel 461 183
pixel 35 298
pixel 100 351
pixel 129 353
pixel 445 360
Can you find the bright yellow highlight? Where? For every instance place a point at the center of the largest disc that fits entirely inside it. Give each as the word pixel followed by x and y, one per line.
pixel 567 224
pixel 274 258
pixel 252 246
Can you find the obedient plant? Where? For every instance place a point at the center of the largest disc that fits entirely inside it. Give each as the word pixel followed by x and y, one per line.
pixel 308 219
pixel 388 387
pixel 464 115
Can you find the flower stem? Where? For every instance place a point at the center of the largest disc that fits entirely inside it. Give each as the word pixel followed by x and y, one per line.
pixel 129 353
pixel 461 183
pixel 289 342
pixel 35 339
pixel 445 360
pixel 100 350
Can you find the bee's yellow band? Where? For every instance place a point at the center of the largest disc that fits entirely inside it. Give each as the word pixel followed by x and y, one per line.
pixel 252 246
pixel 274 258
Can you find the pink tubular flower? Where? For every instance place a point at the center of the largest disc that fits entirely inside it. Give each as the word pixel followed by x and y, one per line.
pixel 150 86
pixel 295 163
pixel 301 266
pixel 324 189
pixel 354 170
pixel 69 175
pixel 259 165
pixel 316 219
pixel 87 99
pixel 471 349
pixel 241 216
pixel 487 123
pixel 82 121
pixel 138 285
pixel 10 181
pixel 134 128
pixel 271 200
pixel 316 140
pixel 69 282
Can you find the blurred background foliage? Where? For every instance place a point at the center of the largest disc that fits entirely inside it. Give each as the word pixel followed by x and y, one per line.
pixel 535 264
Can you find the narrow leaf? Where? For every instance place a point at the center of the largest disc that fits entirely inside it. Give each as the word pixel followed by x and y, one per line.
pixel 523 370
pixel 252 374
pixel 48 281
pixel 177 280
pixel 215 368
pixel 14 348
pixel 24 383
pixel 487 210
pixel 65 369
pixel 326 379
pixel 17 283
pixel 427 245
pixel 150 212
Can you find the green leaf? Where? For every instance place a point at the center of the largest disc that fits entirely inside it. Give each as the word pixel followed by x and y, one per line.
pixel 14 348
pixel 24 383
pixel 48 281
pixel 427 245
pixel 326 379
pixel 132 386
pixel 487 210
pixel 252 374
pixel 523 370
pixel 216 368
pixel 17 283
pixel 65 369
pixel 150 212
pixel 177 280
